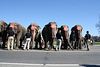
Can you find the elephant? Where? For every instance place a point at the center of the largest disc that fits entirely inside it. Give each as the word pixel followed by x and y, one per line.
pixel 3 32
pixel 48 34
pixel 65 35
pixel 78 31
pixel 36 35
pixel 19 32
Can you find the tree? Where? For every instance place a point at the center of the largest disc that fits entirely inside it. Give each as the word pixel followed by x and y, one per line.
pixel 98 24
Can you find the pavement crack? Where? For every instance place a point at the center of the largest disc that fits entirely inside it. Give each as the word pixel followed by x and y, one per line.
pixel 45 59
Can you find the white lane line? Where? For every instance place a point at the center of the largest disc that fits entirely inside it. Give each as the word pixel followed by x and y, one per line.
pixel 62 65
pixel 5 63
pixel 26 64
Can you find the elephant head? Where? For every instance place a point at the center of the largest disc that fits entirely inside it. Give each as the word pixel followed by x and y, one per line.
pixel 15 26
pixel 34 29
pixel 3 26
pixel 64 31
pixel 78 31
pixel 52 28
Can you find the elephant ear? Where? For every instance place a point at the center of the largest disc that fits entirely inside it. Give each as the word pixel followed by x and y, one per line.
pixel 29 27
pixel 6 25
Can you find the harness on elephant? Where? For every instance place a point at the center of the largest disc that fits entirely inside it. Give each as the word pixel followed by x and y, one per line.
pixel 16 26
pixel 79 28
pixel 12 26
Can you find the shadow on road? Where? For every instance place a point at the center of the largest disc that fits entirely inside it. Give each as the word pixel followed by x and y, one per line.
pixel 87 65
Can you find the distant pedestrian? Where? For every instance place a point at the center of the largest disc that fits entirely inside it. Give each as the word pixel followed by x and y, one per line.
pixel 28 39
pixel 59 40
pixel 88 37
pixel 73 39
pixel 10 35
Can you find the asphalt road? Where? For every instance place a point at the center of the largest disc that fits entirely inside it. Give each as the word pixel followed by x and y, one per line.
pixel 42 58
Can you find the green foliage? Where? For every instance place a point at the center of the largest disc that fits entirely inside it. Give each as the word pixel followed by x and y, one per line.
pixel 96 43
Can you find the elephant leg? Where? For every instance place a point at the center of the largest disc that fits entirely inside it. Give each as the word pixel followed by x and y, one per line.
pixel 51 45
pixel 18 39
pixel 36 45
pixel 4 41
pixel 65 44
pixel 32 44
pixel 40 44
pixel 80 44
pixel 3 46
pixel 76 45
pixel 46 46
pixel 31 47
pixel 17 42
pixel 14 44
pixel 20 43
pixel 69 44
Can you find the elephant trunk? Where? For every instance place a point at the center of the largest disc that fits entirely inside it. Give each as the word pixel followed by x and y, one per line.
pixel 66 35
pixel 0 28
pixel 33 37
pixel 53 33
pixel 79 34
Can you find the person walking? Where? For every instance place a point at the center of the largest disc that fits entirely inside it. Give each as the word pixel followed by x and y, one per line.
pixel 59 40
pixel 28 39
pixel 73 39
pixel 10 35
pixel 87 37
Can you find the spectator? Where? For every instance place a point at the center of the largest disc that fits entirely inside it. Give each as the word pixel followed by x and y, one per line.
pixel 28 39
pixel 87 37
pixel 10 35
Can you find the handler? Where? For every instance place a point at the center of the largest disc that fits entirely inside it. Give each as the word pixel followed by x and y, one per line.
pixel 10 35
pixel 59 40
pixel 28 39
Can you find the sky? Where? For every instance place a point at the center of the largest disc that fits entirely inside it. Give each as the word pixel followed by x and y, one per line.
pixel 63 12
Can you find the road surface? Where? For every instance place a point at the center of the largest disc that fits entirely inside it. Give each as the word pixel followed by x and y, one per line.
pixel 42 58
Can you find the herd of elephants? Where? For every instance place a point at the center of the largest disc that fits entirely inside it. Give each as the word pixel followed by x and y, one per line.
pixel 48 34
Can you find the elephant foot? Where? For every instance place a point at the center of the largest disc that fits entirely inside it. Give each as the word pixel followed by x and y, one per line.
pixel 16 48
pixel 45 48
pixel 72 49
pixel 31 47
pixel 51 49
pixel 81 49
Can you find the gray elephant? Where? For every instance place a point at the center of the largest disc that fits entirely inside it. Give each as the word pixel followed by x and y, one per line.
pixel 3 31
pixel 19 31
pixel 78 31
pixel 48 34
pixel 65 34
pixel 36 35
